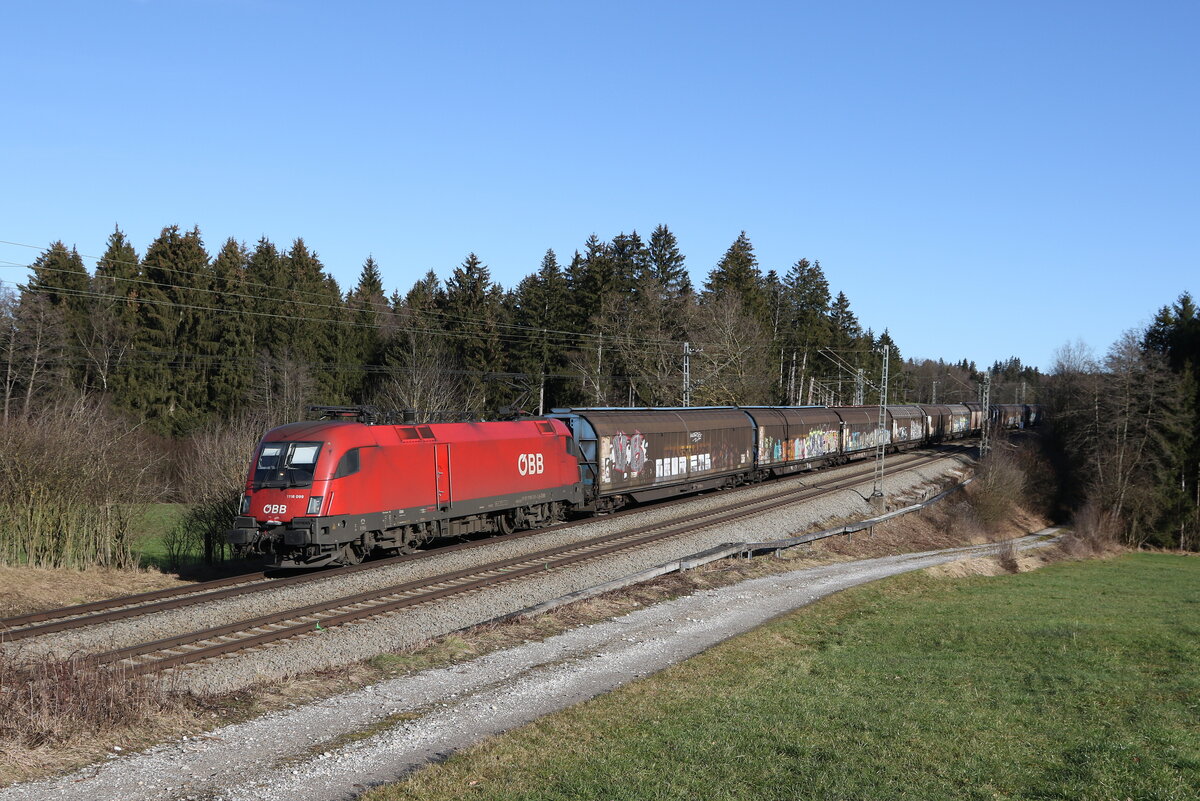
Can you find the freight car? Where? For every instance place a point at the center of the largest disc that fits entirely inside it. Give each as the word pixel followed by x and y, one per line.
pixel 334 490
pixel 1016 415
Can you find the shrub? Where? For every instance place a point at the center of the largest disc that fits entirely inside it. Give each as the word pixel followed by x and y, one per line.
pixel 53 700
pixel 999 486
pixel 211 468
pixel 70 479
pixel 1095 531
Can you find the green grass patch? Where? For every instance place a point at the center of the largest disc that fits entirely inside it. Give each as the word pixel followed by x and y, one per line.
pixel 150 525
pixel 1077 681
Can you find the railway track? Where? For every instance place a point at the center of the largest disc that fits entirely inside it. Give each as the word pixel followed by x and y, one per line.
pixel 310 620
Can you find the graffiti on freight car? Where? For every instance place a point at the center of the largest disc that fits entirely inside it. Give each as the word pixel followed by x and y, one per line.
pixel 819 442
pixel 629 453
pixel 959 423
pixel 814 444
pixel 670 467
pixel 860 440
pixel 622 457
pixel 914 430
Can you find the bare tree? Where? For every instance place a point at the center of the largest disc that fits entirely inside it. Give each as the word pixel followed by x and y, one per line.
pixel 211 468
pixel 71 480
pixel 8 349
pixel 645 341
pixel 420 373
pixel 283 387
pixel 39 347
pixel 733 365
pixel 106 338
pixel 1116 420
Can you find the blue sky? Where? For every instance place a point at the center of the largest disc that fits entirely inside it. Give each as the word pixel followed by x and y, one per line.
pixel 985 180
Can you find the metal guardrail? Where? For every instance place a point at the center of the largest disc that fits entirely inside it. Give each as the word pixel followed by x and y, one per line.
pixel 725 551
pixel 753 548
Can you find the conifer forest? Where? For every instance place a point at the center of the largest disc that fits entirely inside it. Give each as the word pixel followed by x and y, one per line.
pixel 131 377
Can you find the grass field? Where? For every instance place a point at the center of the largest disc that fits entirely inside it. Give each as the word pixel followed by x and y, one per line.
pixel 1077 681
pixel 149 529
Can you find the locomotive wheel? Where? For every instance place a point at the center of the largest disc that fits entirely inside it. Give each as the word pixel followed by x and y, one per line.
pixel 504 524
pixel 351 554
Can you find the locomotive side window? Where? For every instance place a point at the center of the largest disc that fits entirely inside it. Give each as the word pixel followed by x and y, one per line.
pixel 287 464
pixel 348 464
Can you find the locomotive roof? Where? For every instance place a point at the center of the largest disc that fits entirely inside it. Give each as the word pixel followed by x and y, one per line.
pixel 351 433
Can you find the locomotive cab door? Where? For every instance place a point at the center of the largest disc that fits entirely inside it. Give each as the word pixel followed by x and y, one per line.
pixel 441 458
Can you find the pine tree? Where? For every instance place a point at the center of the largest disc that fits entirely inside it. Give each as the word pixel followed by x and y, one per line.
pixel 846 330
pixel 177 330
pixel 112 318
pixel 314 334
pixel 630 261
pixel 577 309
pixel 368 312
pixel 119 273
pixel 808 327
pixel 268 285
pixel 597 286
pixel 737 274
pixel 233 356
pixel 667 265
pixel 539 306
pixel 58 274
pixel 472 311
pixel 1174 336
pixel 426 295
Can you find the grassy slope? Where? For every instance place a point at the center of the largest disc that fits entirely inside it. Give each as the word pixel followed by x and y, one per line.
pixel 1077 681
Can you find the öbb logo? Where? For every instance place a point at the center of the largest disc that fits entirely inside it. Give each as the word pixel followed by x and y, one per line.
pixel 530 464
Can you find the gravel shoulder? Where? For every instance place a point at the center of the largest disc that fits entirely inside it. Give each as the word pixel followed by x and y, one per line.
pixel 337 747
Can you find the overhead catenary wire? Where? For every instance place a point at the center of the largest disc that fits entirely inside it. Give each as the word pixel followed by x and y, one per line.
pixel 343 310
pixel 564 339
pixel 559 336
pixel 273 288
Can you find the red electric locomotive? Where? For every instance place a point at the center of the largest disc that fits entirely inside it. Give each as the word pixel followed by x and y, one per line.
pixel 334 490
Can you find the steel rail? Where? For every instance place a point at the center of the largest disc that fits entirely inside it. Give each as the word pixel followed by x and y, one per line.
pixel 126 600
pixel 78 616
pixel 372 603
pixel 72 617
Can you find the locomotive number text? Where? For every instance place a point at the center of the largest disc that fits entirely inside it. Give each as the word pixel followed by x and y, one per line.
pixel 530 464
pixel 275 509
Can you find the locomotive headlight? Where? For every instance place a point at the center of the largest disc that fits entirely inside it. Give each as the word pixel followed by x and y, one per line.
pixel 314 505
pixel 245 504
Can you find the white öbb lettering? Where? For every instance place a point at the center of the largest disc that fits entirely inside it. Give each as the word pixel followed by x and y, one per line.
pixel 275 509
pixel 530 464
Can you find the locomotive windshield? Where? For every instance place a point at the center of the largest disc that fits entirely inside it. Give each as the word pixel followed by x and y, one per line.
pixel 286 464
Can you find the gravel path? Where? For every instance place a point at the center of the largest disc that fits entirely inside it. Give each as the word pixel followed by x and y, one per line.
pixel 288 755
